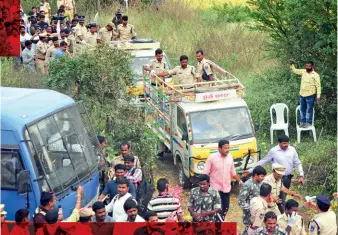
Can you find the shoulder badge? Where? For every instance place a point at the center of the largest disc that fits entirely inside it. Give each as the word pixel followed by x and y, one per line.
pixel 206 67
pixel 312 228
pixel 261 216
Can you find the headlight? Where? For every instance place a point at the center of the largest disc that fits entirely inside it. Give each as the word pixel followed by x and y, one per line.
pixel 200 166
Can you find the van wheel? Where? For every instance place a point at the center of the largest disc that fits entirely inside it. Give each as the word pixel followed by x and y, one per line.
pixel 182 179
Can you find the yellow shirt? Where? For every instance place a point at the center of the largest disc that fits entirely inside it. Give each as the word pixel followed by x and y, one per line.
pixel 298 229
pixel 310 83
pixel 91 38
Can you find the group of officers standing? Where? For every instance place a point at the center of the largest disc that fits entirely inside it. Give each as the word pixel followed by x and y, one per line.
pixel 59 39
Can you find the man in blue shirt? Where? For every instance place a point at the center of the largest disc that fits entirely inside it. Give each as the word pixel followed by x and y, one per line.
pixel 62 50
pixel 111 186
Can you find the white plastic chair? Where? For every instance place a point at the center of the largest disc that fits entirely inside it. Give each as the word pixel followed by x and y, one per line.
pixel 310 128
pixel 280 123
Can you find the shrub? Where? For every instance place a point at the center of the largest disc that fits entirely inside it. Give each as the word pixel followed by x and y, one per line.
pixel 104 75
pixel 230 13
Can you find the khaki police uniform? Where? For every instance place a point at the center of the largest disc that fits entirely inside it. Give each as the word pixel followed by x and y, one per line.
pixel 41 50
pixel 258 209
pixel 203 67
pixel 104 35
pixel 80 32
pixel 158 67
pixel 276 189
pixel 297 229
pixel 324 223
pixel 91 39
pixel 50 55
pixel 184 75
pixel 126 32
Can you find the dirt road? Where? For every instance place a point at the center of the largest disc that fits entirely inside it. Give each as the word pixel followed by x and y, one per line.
pixel 166 169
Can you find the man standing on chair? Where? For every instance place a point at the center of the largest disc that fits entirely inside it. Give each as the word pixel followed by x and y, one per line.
pixel 309 90
pixel 286 156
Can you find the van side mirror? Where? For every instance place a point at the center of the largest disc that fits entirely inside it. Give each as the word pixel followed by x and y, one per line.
pixel 185 136
pixel 24 182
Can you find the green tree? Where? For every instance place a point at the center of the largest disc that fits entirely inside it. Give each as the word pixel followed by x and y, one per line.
pixel 304 30
pixel 103 76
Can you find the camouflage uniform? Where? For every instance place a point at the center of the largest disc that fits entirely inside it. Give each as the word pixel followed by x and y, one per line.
pixel 262 231
pixel 249 190
pixel 200 202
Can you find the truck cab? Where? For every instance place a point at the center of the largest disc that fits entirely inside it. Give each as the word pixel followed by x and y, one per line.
pixel 45 146
pixel 190 122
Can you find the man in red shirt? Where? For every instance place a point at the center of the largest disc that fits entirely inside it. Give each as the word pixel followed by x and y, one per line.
pixel 22 221
pixel 220 166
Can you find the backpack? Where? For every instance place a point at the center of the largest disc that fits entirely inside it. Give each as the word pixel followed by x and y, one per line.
pixel 144 193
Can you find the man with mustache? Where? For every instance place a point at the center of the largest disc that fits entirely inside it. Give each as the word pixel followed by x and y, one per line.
pixel 310 89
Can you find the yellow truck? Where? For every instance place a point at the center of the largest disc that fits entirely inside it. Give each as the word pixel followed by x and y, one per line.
pixel 190 122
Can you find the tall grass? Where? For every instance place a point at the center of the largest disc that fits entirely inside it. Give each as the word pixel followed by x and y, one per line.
pixel 183 30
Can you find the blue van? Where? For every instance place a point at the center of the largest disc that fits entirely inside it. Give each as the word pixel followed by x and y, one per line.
pixel 47 144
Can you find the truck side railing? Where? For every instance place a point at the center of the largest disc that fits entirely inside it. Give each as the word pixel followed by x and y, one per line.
pixel 224 86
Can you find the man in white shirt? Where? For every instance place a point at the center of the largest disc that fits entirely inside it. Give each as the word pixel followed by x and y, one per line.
pixel 130 207
pixel 24 36
pixel 117 203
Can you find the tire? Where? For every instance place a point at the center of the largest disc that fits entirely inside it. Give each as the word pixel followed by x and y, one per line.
pixel 182 179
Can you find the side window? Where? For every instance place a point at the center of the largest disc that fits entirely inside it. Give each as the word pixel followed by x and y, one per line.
pixel 181 121
pixel 11 166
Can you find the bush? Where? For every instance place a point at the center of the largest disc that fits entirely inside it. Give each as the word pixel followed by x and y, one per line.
pixel 230 13
pixel 104 75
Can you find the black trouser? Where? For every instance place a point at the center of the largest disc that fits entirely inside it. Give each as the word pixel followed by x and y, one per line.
pixel 287 183
pixel 225 199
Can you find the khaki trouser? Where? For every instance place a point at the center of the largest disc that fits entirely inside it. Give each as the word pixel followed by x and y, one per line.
pixel 40 66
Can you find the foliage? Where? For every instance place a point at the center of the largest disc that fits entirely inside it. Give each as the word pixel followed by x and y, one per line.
pixel 304 30
pixel 104 75
pixel 230 13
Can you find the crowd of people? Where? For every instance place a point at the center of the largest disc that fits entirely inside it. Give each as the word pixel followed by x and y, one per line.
pixel 45 37
pixel 262 199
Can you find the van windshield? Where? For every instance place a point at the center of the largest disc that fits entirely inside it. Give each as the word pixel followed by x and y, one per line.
pixel 213 125
pixel 61 150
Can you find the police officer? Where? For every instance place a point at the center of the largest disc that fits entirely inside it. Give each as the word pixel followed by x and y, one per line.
pixel 91 37
pixel 125 31
pixel 296 227
pixel 105 34
pixel 203 67
pixel 259 207
pixel 41 50
pixel 323 223
pixel 270 226
pixel 186 74
pixel 275 180
pixel 80 30
pixel 249 190
pixel 156 65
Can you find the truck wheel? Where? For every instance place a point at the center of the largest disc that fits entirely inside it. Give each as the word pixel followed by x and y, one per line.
pixel 182 179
